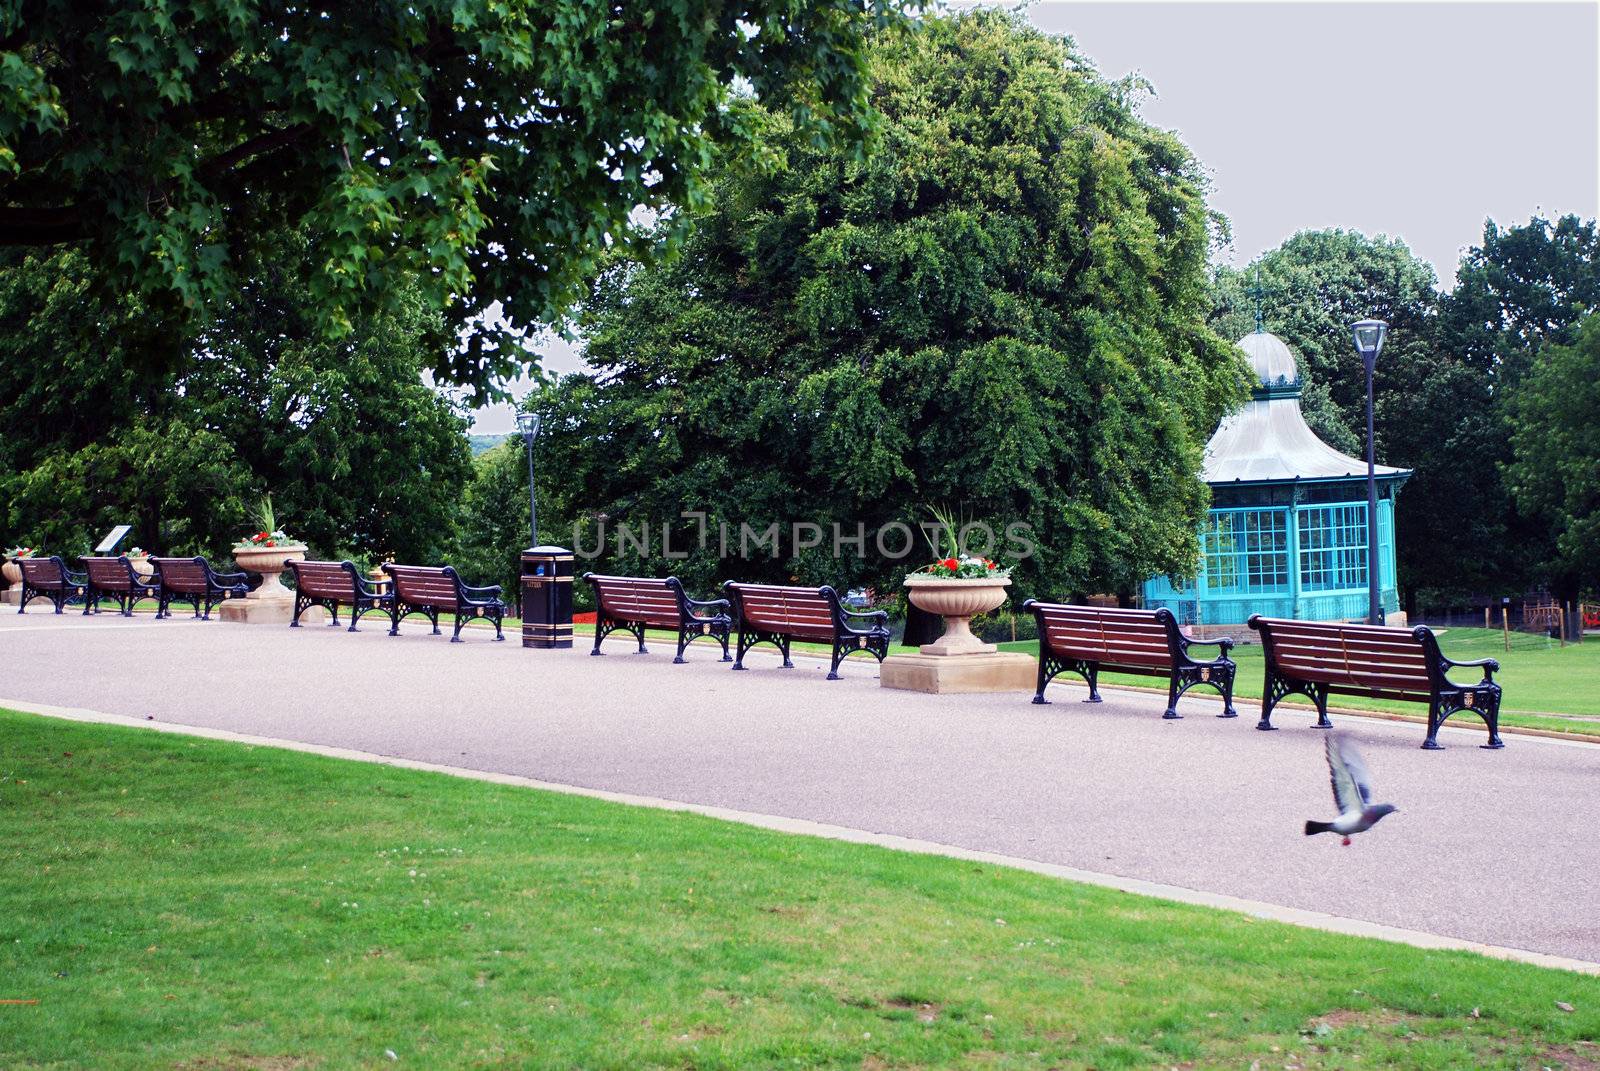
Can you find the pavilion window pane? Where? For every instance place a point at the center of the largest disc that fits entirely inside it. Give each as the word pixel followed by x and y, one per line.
pixel 1247 551
pixel 1333 547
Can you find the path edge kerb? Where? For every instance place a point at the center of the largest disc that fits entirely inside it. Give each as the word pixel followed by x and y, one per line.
pixel 1316 920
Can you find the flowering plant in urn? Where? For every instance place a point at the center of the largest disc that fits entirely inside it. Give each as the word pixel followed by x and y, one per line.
pixel 957 587
pixel 11 570
pixel 966 567
pixel 267 551
pixel 139 558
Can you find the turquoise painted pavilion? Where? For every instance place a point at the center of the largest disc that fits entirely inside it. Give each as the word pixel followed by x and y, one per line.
pixel 1287 531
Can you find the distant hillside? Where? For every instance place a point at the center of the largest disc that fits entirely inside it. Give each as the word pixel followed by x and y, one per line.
pixel 480 443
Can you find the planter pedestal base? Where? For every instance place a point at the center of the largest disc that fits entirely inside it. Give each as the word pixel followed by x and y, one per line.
pixel 941 674
pixel 269 611
pixel 11 597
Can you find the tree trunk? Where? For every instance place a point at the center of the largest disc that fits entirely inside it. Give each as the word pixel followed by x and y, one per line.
pixel 921 626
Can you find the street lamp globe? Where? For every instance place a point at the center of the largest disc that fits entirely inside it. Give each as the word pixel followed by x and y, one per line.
pixel 1369 336
pixel 528 424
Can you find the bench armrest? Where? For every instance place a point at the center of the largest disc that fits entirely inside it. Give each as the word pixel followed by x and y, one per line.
pixel 230 578
pixel 882 616
pixel 1489 665
pixel 76 578
pixel 1225 643
pixel 488 590
pixel 708 604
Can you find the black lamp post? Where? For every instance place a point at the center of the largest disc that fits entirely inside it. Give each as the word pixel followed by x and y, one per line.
pixel 528 425
pixel 1369 336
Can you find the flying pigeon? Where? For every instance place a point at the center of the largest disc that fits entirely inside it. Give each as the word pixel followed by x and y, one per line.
pixel 1352 792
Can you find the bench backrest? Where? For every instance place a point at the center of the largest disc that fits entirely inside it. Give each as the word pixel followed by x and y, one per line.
pixel 48 574
pixel 424 585
pixel 109 574
pixel 1381 661
pixel 806 612
pixel 638 598
pixel 1105 634
pixel 325 580
pixel 181 574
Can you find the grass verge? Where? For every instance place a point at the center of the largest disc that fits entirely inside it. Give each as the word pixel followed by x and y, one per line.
pixel 173 902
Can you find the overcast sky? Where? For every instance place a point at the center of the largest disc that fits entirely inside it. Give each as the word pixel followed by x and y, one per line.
pixel 1415 120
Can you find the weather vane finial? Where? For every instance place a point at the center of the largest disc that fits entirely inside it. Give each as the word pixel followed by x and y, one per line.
pixel 1255 292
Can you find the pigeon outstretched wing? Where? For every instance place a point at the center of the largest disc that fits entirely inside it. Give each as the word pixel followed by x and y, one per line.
pixel 1352 784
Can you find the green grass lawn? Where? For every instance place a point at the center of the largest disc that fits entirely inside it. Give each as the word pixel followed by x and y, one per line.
pixel 172 902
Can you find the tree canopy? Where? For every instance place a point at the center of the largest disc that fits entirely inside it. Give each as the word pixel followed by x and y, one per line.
pixel 480 154
pixel 1001 311
pixel 359 454
pixel 1523 287
pixel 1555 436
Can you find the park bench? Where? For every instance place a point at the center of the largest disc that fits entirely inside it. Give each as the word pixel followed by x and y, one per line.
pixel 1086 639
pixel 192 580
pixel 767 613
pixel 1319 658
pixel 426 590
pixel 332 585
pixel 634 603
pixel 115 578
pixel 50 578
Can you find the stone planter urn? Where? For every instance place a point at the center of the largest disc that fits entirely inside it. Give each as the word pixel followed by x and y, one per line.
pixel 958 601
pixel 142 567
pixel 270 562
pixel 12 572
pixel 958 661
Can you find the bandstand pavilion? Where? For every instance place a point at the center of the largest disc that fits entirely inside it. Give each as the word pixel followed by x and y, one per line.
pixel 1287 531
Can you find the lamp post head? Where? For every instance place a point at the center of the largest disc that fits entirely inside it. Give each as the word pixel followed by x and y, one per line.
pixel 528 424
pixel 1369 336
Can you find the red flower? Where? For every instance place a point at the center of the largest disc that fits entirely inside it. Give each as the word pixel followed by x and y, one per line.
pixel 951 564
pixel 270 543
pixel 987 564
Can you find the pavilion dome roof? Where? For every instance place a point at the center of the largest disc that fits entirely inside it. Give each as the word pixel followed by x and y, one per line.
pixel 1269 440
pixel 1271 358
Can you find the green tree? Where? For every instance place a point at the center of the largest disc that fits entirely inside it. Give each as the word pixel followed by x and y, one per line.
pixel 179 484
pixel 359 453
pixel 1001 311
pixel 1525 286
pixel 492 528
pixel 482 152
pixel 1555 468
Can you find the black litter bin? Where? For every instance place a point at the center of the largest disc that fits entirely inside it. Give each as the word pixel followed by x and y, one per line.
pixel 547 597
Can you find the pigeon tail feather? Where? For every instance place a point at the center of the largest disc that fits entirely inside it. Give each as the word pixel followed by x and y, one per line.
pixel 1318 827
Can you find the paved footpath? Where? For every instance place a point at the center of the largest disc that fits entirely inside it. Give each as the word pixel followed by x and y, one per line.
pixel 1492 847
